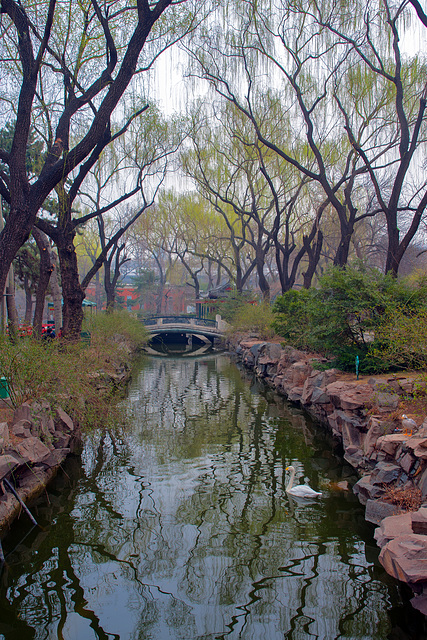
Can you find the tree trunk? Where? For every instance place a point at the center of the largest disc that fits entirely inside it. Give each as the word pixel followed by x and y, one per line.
pixel 110 292
pixel 12 313
pixel 98 292
pixel 218 275
pixel 341 255
pixel 393 257
pixel 262 280
pixel 28 301
pixel 239 275
pixel 313 254
pixel 110 288
pixel 12 237
pixel 44 277
pixel 55 291
pixel 73 294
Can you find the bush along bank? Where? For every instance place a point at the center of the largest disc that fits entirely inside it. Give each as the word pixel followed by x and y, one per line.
pixel 388 451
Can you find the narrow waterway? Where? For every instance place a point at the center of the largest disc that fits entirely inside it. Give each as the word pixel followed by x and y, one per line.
pixel 180 527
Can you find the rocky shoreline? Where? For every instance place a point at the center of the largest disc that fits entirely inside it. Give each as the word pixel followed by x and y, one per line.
pixel 388 450
pixel 35 440
pixel 33 445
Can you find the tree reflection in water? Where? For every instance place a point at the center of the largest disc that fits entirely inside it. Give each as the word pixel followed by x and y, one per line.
pixel 180 528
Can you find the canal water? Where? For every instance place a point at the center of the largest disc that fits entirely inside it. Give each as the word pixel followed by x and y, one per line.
pixel 179 527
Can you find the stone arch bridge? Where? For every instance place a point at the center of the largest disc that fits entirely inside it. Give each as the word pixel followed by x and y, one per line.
pixel 205 330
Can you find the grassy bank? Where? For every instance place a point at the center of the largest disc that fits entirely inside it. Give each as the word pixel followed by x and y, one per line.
pixel 84 378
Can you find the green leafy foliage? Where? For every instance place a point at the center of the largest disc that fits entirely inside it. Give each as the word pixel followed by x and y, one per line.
pixel 357 311
pixel 402 339
pixel 292 316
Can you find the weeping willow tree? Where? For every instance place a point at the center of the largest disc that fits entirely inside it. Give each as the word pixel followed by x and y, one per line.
pixel 265 202
pixel 328 89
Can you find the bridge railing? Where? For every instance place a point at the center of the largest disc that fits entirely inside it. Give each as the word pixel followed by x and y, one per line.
pixel 189 320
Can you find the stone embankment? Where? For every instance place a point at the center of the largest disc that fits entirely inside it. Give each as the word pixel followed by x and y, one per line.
pixel 33 445
pixel 36 438
pixel 388 451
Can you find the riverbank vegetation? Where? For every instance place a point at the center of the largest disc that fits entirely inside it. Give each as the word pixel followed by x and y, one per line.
pixel 354 312
pixel 86 378
pixel 358 312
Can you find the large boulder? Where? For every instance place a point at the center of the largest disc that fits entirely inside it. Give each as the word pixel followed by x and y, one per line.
pixel 375 431
pixel 392 527
pixel 288 357
pixel 386 473
pixel 270 353
pixel 366 489
pixel 379 510
pixel 32 449
pixel 295 376
pixel 9 462
pixel 22 413
pixel 315 386
pixel 64 422
pixel 418 445
pixel 402 524
pixel 349 396
pixel 405 558
pixel 390 443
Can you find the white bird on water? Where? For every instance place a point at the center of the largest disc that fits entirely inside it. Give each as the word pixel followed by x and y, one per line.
pixel 301 490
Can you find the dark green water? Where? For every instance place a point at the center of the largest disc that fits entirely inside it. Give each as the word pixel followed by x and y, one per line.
pixel 180 528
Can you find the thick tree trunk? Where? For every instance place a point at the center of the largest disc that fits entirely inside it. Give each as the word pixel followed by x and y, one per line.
pixel 341 255
pixel 55 291
pixel 239 278
pixel 262 280
pixel 12 313
pixel 44 277
pixel 28 301
pixel 12 237
pixel 73 294
pixel 393 254
pixel 111 298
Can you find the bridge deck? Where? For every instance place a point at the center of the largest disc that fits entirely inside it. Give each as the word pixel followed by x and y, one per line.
pixel 183 324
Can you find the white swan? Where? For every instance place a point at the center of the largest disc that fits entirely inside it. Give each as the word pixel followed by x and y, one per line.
pixel 301 490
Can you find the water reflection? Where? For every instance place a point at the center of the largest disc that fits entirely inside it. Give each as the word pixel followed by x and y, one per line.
pixel 180 528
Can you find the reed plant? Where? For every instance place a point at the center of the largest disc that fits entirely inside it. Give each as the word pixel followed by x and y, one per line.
pixel 254 318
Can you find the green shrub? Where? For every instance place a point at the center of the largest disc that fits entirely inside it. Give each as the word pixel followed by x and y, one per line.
pixel 255 318
pixel 401 339
pixel 292 315
pixel 105 327
pixel 357 311
pixel 28 368
pixel 369 361
pixel 229 307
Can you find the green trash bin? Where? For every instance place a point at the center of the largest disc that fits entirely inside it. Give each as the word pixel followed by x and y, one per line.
pixel 85 337
pixel 4 388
